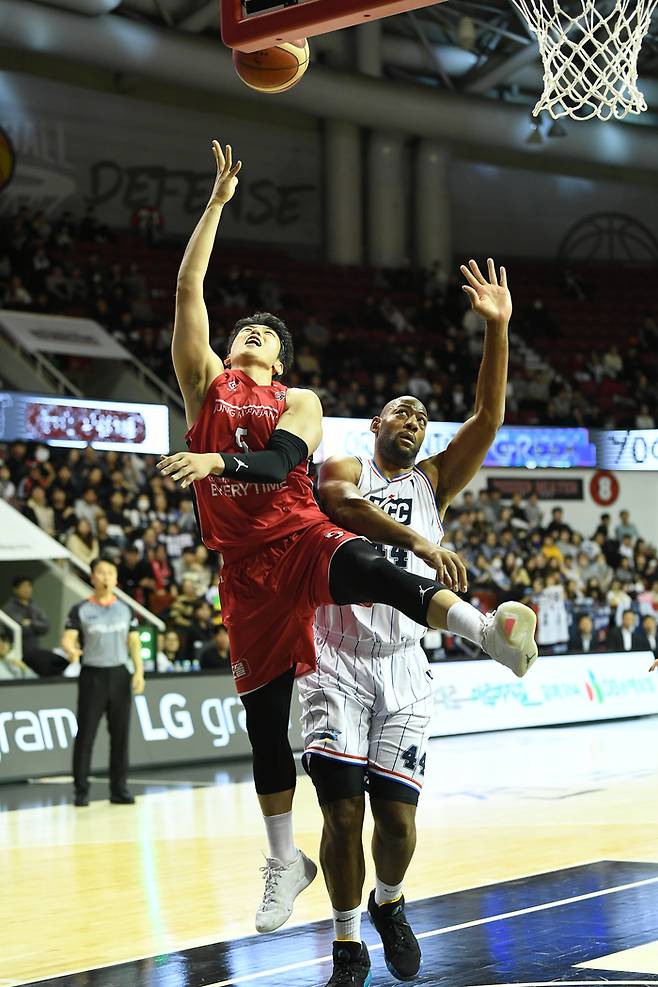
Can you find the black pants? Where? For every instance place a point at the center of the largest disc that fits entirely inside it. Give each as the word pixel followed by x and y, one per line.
pixel 109 691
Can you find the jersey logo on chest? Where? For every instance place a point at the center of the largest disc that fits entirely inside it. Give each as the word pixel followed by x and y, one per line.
pixel 399 508
pixel 240 410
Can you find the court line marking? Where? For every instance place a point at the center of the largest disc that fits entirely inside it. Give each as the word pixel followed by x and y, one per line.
pixel 205 941
pixel 247 978
pixel 68 780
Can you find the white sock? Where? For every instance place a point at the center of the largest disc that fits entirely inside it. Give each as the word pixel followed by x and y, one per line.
pixel 347 925
pixel 385 893
pixel 280 837
pixel 466 621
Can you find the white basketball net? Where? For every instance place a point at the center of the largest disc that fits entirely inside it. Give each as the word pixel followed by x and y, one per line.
pixel 590 55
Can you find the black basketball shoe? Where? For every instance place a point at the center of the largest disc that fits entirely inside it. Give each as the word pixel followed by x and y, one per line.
pixel 124 797
pixel 351 965
pixel 401 949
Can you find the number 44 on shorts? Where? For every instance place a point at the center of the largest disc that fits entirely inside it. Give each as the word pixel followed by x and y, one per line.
pixel 410 759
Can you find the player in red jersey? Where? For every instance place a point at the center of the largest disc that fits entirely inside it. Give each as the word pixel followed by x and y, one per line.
pixel 250 438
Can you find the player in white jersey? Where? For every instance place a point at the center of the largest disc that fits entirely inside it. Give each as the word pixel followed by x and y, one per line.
pixel 367 708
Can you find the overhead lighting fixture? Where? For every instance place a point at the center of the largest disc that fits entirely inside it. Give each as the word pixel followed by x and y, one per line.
pixel 556 130
pixel 535 135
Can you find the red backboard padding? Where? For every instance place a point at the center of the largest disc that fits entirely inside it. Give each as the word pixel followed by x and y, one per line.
pixel 303 20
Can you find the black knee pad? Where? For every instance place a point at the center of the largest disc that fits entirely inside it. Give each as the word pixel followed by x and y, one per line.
pixel 359 574
pixel 334 779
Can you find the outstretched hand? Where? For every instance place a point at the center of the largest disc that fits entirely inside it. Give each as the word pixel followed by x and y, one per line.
pixel 226 181
pixel 186 467
pixel 449 567
pixel 490 299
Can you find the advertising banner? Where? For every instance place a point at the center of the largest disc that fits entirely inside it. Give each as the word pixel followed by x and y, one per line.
pixel 630 449
pixel 476 696
pixel 534 448
pixel 189 718
pixel 66 421
pixel 180 719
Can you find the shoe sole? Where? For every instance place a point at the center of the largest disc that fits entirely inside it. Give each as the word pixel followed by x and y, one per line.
pixel 308 879
pixel 521 635
pixel 389 965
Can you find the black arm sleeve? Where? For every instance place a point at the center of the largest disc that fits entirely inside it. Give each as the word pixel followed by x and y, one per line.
pixel 272 465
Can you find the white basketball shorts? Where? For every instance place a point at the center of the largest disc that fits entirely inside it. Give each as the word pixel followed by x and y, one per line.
pixel 372 712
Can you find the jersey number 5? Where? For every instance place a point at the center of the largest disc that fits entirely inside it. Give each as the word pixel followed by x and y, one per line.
pixel 240 436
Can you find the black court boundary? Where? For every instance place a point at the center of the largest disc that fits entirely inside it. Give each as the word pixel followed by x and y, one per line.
pixel 525 932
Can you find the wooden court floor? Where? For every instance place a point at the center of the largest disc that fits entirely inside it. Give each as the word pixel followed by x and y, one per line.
pixel 87 889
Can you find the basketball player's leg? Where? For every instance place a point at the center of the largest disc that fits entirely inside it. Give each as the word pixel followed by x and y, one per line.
pixel 359 574
pixel 287 871
pixel 339 789
pixel 270 630
pixel 336 703
pixel 393 845
pixel 398 751
pixel 268 714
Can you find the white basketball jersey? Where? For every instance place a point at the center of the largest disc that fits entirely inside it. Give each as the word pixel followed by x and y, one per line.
pixel 379 630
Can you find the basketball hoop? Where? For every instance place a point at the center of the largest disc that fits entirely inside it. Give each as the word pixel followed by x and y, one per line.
pixel 590 50
pixel 251 25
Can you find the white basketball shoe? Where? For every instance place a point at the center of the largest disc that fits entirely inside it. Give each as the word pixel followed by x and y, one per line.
pixel 509 637
pixel 283 882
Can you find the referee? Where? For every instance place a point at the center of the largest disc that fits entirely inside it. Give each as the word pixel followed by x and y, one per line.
pixel 101 629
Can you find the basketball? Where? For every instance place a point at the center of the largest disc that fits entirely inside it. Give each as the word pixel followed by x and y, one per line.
pixel 273 70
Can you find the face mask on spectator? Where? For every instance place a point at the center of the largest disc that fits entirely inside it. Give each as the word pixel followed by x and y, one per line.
pixel 143 504
pixel 41 454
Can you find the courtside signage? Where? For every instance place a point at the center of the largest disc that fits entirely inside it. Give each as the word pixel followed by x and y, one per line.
pixel 64 421
pixel 178 719
pixel 476 696
pixel 514 446
pixel 630 449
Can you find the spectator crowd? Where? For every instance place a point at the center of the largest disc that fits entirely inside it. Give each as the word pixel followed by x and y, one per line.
pixel 79 267
pixel 589 588
pixel 386 332
pixel 593 591
pixel 118 507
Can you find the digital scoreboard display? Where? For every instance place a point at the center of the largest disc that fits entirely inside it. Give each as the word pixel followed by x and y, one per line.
pixel 630 449
pixel 64 421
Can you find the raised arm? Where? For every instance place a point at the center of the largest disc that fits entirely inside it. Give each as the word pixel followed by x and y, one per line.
pixel 296 437
pixel 450 471
pixel 342 500
pixel 195 363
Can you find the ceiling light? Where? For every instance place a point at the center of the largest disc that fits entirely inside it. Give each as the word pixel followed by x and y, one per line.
pixel 556 130
pixel 535 135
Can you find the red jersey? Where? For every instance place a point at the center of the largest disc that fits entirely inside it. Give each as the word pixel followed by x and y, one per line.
pixel 238 518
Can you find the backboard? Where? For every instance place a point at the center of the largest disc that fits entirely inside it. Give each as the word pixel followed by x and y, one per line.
pixel 251 25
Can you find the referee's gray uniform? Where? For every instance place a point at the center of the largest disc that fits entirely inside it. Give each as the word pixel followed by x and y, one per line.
pixel 105 686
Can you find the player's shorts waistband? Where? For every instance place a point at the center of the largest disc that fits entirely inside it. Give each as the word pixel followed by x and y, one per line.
pixel 365 647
